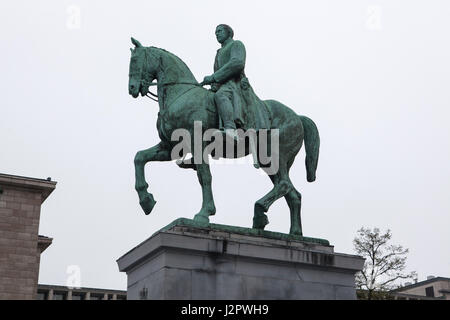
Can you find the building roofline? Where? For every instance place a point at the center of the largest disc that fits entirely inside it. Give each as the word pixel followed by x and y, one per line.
pixel 421 283
pixel 415 296
pixel 83 289
pixel 24 177
pixel 43 185
pixel 44 242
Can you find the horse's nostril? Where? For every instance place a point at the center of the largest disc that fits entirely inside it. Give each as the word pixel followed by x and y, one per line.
pixel 132 87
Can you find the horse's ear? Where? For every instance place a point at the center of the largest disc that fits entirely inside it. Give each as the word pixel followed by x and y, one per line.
pixel 135 42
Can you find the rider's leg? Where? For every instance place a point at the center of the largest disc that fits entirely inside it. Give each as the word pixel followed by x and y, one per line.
pixel 223 98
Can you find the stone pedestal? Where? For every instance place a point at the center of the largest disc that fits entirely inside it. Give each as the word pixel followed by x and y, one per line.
pixel 186 261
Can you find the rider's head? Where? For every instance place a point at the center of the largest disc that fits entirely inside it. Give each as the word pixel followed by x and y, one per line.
pixel 223 32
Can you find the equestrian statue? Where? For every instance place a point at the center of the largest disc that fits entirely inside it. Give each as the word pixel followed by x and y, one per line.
pixel 230 107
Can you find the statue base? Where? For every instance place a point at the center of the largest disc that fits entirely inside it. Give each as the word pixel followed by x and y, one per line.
pixel 186 260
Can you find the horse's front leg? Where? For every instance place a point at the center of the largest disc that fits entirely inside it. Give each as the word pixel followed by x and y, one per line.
pixel 156 153
pixel 208 207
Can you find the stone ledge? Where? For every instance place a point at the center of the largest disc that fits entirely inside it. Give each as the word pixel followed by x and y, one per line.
pixel 212 227
pixel 198 240
pixel 44 186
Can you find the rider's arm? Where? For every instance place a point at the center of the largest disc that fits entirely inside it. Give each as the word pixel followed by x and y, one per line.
pixel 235 66
pixel 216 62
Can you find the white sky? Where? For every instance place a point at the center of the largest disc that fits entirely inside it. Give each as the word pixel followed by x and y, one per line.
pixel 373 75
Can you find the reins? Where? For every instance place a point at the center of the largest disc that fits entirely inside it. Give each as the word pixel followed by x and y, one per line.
pixel 167 84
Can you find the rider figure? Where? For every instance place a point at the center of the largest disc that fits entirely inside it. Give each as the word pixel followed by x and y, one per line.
pixel 226 80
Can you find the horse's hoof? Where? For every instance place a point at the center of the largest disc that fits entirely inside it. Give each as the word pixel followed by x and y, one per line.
pixel 260 219
pixel 201 219
pixel 147 204
pixel 296 233
pixel 260 223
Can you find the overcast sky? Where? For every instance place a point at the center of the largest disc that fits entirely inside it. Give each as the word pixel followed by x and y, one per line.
pixel 373 75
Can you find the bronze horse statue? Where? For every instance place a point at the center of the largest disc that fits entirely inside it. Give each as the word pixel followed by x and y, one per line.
pixel 183 101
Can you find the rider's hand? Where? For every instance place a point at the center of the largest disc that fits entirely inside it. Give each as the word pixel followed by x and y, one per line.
pixel 215 87
pixel 208 80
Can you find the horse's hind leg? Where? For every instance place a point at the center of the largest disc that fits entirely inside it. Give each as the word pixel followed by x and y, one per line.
pixel 260 219
pixel 282 186
pixel 208 207
pixel 294 201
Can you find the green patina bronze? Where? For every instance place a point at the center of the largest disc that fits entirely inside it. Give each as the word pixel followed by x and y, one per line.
pixel 183 222
pixel 231 103
pixel 237 104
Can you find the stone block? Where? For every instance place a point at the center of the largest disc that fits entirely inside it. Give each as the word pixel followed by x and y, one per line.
pixel 181 263
pixel 177 284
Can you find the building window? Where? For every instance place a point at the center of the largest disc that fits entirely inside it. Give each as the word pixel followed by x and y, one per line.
pixel 42 295
pixel 429 291
pixel 96 296
pixel 59 296
pixel 78 296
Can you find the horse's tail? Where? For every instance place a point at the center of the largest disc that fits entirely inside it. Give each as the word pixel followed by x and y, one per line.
pixel 312 144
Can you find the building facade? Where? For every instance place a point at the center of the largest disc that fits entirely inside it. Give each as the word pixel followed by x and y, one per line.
pixel 49 292
pixel 434 288
pixel 20 244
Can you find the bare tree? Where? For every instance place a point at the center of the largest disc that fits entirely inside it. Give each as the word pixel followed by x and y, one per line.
pixel 385 263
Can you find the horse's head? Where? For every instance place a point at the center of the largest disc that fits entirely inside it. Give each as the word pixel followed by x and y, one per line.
pixel 142 70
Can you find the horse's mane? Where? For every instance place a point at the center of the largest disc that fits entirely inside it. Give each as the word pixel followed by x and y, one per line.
pixel 180 63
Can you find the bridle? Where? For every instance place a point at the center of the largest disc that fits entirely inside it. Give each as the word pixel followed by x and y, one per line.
pixel 145 82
